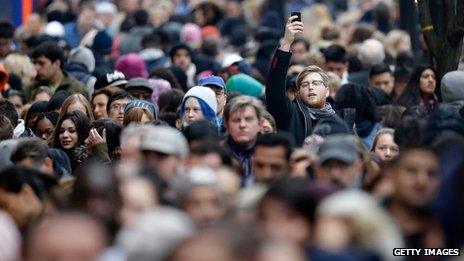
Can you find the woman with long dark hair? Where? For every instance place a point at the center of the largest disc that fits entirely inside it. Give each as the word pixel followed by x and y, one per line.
pixel 70 134
pixel 421 89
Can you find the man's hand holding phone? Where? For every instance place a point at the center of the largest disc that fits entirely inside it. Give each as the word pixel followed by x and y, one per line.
pixel 294 26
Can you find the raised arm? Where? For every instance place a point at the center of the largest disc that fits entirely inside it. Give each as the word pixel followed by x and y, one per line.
pixel 276 98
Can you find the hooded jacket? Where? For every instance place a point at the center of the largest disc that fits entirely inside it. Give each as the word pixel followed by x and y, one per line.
pixel 292 116
pixel 452 90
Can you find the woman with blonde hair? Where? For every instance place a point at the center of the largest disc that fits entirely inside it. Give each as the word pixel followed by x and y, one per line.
pixel 22 66
pixel 77 102
pixel 397 41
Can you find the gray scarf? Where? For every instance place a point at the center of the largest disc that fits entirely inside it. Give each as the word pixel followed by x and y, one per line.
pixel 325 112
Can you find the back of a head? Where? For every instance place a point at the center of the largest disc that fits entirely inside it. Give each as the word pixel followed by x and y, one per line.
pixel 6 128
pixel 6 29
pixel 140 17
pixel 371 52
pixel 444 120
pixel 297 194
pixel 34 148
pixel 13 178
pixel 358 97
pixel 200 130
pixel 8 110
pixel 452 85
pixel 379 69
pixel 335 53
pixel 154 234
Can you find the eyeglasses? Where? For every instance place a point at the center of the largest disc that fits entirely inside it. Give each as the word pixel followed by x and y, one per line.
pixel 117 106
pixel 316 83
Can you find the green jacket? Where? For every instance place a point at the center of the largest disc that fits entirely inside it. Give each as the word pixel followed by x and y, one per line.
pixel 68 83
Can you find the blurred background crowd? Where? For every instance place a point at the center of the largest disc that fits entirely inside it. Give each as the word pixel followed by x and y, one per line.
pixel 226 130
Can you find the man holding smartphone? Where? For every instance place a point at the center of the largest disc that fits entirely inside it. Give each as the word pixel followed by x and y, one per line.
pixel 301 115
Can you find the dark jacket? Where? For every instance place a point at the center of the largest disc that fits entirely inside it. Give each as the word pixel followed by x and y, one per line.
pixel 292 116
pixel 242 155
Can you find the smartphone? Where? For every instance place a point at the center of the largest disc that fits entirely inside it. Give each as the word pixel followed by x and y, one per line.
pixel 296 14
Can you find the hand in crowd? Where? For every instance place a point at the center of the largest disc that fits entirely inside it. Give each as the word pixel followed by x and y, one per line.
pixel 292 28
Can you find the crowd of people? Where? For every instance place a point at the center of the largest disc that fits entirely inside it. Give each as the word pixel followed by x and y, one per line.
pixel 220 130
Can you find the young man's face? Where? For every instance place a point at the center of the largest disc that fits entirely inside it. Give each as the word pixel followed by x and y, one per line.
pixel 117 109
pixel 313 91
pixel 339 173
pixel 269 163
pixel 299 51
pixel 46 69
pixel 384 81
pixel 339 68
pixel 416 178
pixel 221 99
pixel 244 125
pixel 182 59
pixel 5 46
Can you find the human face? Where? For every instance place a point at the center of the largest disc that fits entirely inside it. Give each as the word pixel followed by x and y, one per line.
pixel 383 81
pixel 244 125
pixel 43 96
pixel 416 179
pixel 77 106
pixel 269 163
pixel 221 99
pixel 84 240
pixel 313 91
pixel 17 102
pixel 386 148
pixel 281 223
pixel 192 111
pixel 68 134
pixel 23 206
pixel 117 109
pixel 45 130
pixel 339 68
pixel 165 165
pixel 141 93
pixel 46 69
pixel 144 118
pixel 5 46
pixel 138 195
pixel 299 51
pixel 182 59
pixel 99 106
pixel 339 173
pixel 204 205
pixel 427 82
pixel 267 127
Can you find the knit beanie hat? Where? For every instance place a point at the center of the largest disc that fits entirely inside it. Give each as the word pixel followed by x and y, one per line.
pixel 142 104
pixel 83 56
pixel 132 66
pixel 102 43
pixel 159 86
pixel 190 33
pixel 203 93
pixel 245 84
pixel 452 85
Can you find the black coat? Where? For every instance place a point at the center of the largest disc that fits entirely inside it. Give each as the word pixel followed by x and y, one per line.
pixel 291 116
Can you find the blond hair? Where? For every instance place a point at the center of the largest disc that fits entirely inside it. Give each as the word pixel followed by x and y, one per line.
pixel 312 69
pixel 22 66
